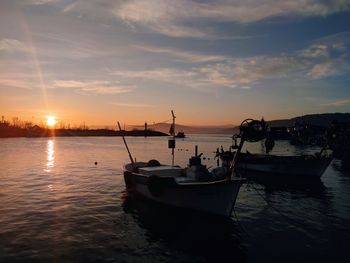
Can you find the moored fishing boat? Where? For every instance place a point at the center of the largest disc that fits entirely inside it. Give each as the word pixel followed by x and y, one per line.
pixel 193 187
pixel 279 166
pixel 183 187
pixel 307 166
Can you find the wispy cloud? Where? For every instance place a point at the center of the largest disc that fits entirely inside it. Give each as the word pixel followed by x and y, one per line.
pixel 182 55
pixel 42 2
pixel 167 75
pixel 208 76
pixel 12 45
pixel 208 71
pixel 195 19
pixel 16 83
pixel 337 103
pixel 315 51
pixel 53 45
pixel 340 37
pixel 179 18
pixel 134 105
pixel 330 68
pixel 326 59
pixel 314 62
pixel 93 86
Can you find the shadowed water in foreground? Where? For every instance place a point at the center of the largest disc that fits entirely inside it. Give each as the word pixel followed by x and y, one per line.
pixel 192 235
pixel 57 205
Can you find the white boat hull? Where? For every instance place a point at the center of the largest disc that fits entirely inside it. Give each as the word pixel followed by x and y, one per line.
pixel 216 197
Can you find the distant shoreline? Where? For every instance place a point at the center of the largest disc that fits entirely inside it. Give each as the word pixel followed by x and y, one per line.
pixel 27 129
pixel 37 132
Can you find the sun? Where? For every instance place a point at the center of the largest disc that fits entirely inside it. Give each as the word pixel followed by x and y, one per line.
pixel 51 121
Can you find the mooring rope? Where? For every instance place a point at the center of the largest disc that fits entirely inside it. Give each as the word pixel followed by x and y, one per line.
pixel 239 223
pixel 292 221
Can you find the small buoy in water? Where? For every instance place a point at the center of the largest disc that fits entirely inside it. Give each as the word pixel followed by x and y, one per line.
pixel 96 163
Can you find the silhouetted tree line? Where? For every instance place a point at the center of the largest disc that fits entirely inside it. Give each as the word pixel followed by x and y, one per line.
pixel 20 128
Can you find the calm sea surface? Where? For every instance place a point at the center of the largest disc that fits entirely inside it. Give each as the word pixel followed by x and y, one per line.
pixel 56 205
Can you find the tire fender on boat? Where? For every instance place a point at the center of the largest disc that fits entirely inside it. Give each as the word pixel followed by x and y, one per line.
pixel 154 184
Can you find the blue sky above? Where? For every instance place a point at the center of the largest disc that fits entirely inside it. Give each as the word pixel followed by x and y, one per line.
pixel 213 62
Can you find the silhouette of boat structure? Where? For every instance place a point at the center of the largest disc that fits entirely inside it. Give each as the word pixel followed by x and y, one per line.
pixel 180 134
pixel 257 165
pixel 301 166
pixel 193 187
pixel 307 166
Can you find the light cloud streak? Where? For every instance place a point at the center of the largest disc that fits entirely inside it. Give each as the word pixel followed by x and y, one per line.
pixel 101 87
pixel 315 51
pixel 337 103
pixel 134 105
pixel 42 2
pixel 16 83
pixel 182 55
pixel 327 69
pixel 12 45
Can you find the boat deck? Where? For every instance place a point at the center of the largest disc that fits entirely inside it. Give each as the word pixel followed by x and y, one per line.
pixel 162 171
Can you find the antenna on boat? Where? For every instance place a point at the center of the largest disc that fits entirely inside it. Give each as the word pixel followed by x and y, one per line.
pixel 126 145
pixel 171 142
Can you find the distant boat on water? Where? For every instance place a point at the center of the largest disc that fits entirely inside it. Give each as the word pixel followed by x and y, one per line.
pixel 180 134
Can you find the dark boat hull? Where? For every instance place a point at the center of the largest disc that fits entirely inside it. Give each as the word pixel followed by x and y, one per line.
pixel 293 166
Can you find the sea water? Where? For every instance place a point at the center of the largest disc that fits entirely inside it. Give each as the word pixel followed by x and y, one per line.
pixel 64 200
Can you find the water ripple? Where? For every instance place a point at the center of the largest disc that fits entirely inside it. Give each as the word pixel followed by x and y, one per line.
pixel 57 205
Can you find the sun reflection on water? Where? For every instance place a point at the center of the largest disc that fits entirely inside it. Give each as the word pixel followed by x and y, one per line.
pixel 50 151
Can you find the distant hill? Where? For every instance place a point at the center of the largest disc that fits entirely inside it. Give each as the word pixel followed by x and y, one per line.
pixel 324 119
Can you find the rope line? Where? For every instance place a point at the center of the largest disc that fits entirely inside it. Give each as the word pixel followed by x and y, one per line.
pixel 239 223
pixel 292 221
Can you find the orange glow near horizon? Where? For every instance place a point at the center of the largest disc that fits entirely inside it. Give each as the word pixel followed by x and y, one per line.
pixel 57 117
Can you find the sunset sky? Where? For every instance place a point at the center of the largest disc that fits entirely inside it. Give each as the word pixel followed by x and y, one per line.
pixel 212 62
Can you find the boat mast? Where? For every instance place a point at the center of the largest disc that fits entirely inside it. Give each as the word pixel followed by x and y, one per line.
pixel 126 145
pixel 172 150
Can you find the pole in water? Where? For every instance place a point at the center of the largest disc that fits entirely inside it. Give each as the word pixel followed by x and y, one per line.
pixel 126 145
pixel 172 151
